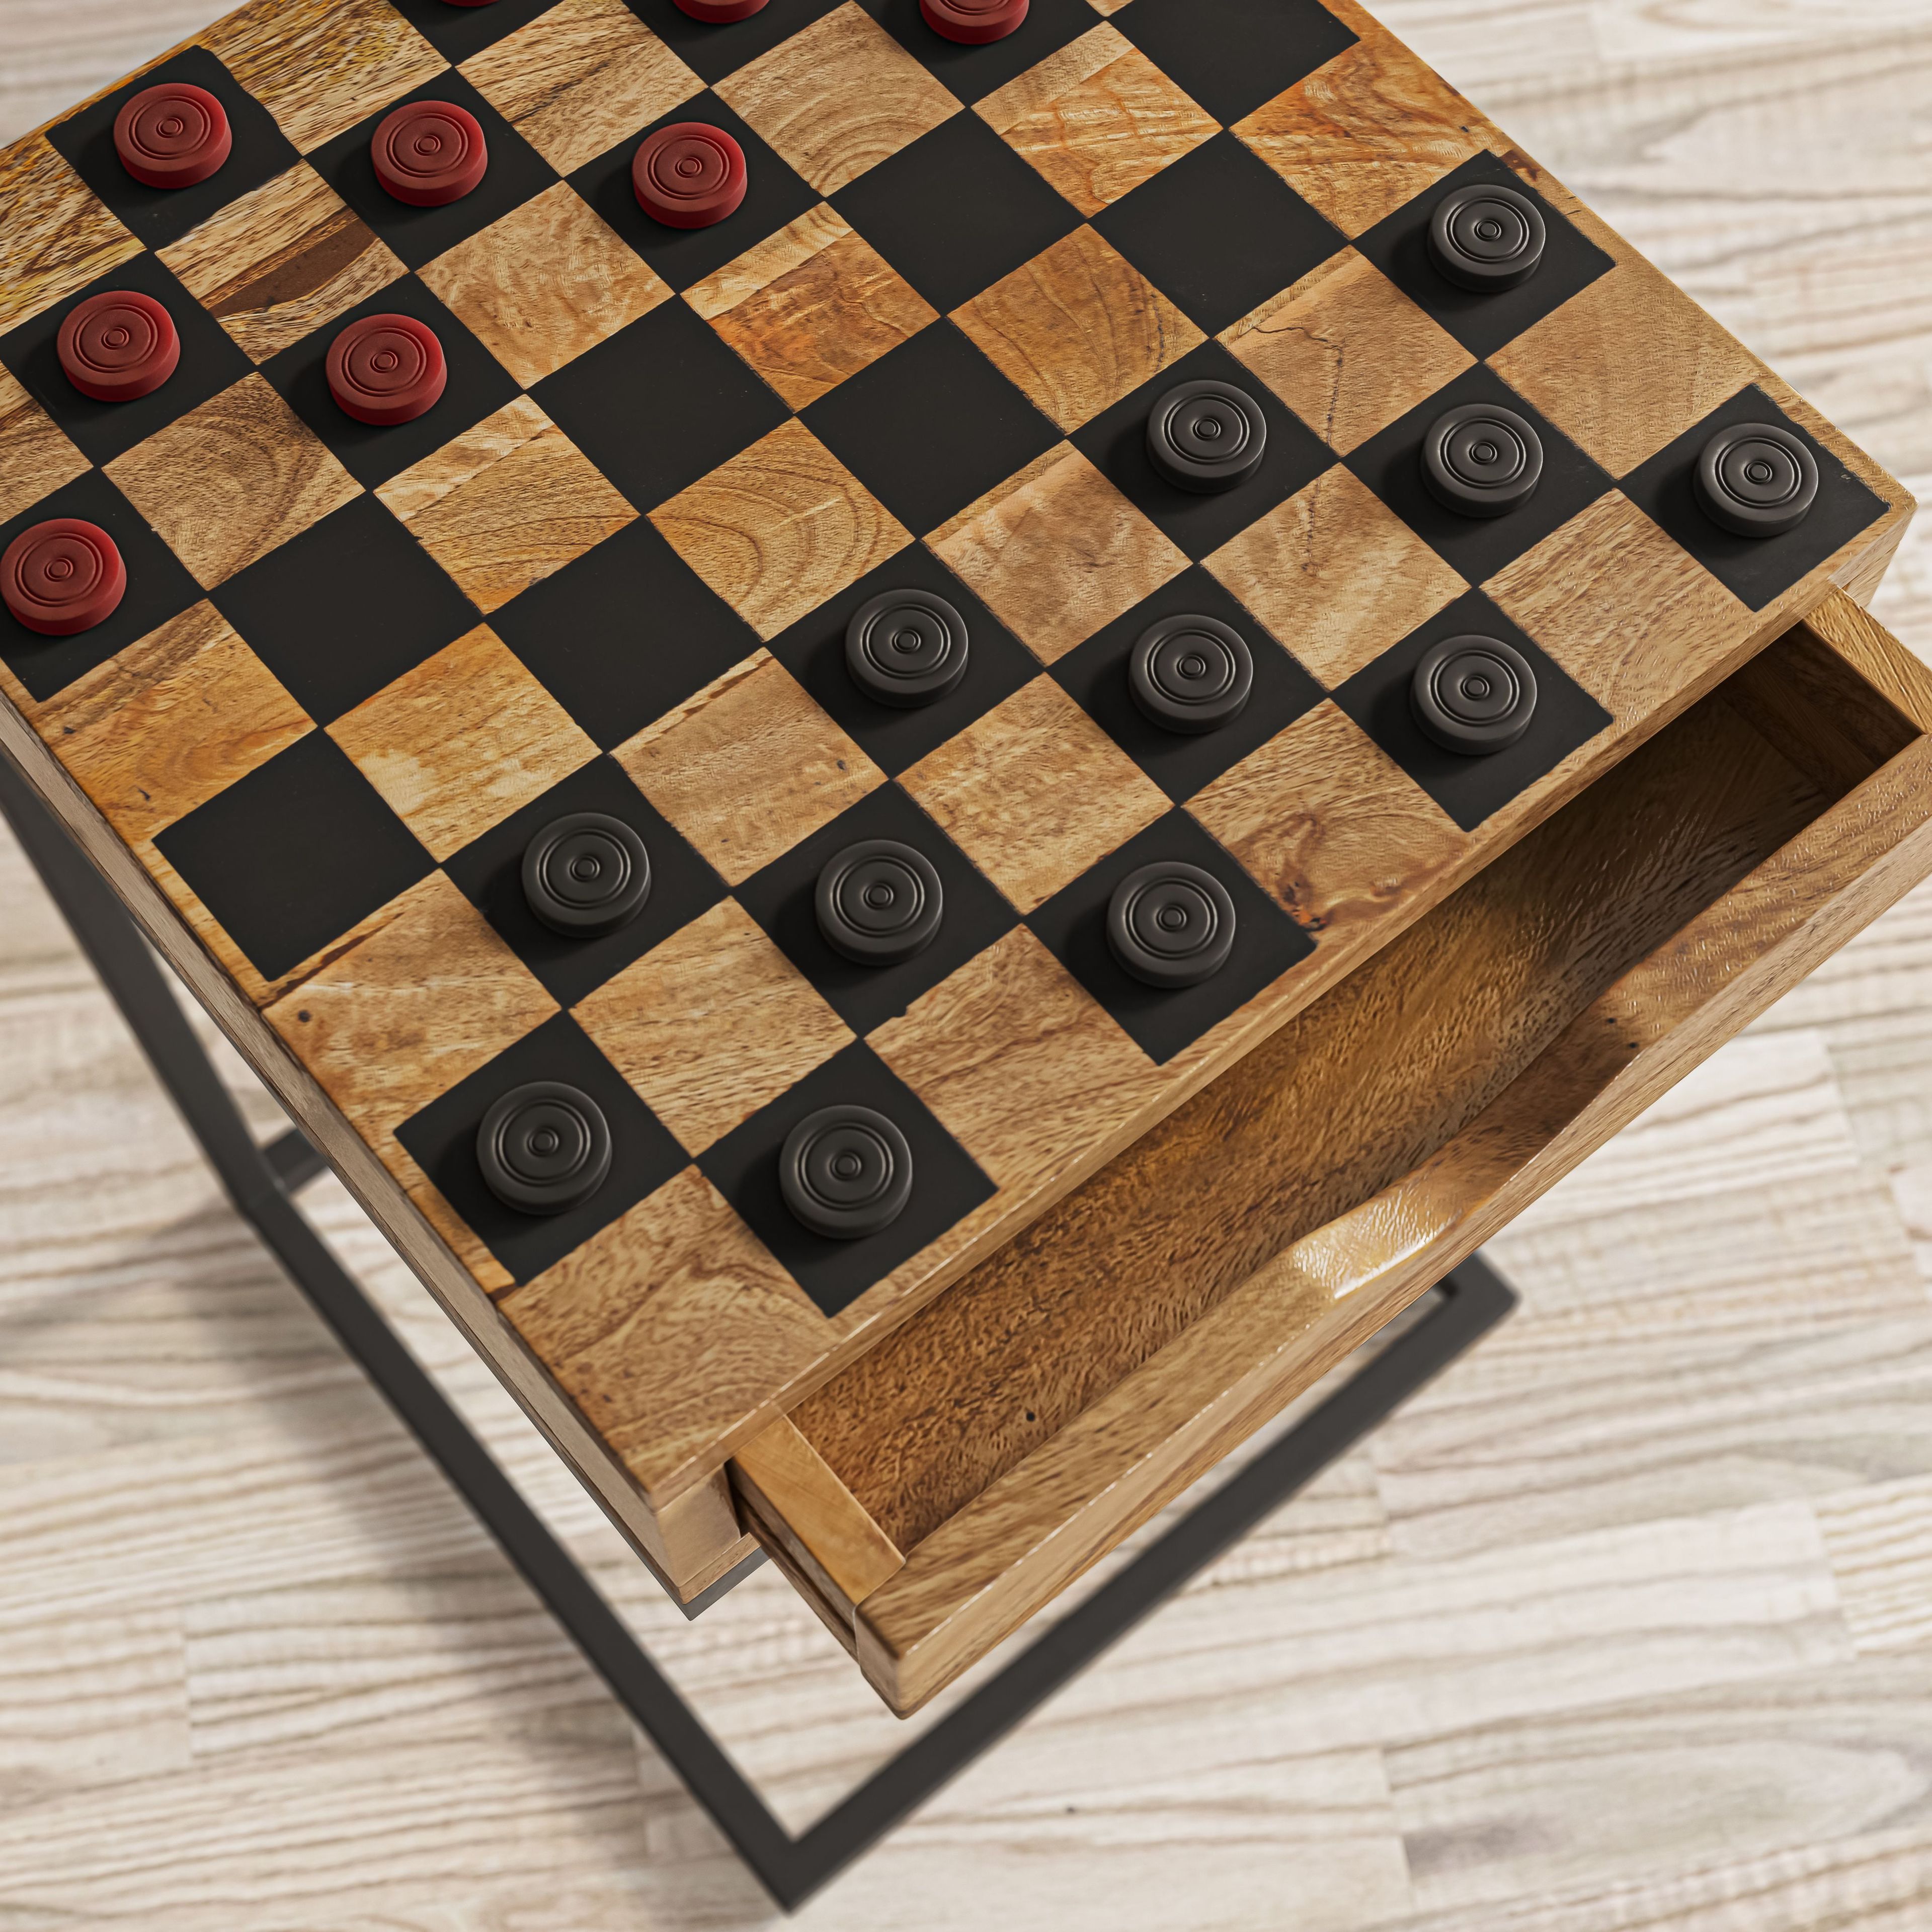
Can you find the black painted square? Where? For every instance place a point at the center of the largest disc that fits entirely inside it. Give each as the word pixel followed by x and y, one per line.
pixel 345 608
pixel 442 1139
pixel 1219 232
pixel 660 404
pixel 456 32
pixel 780 898
pixel 1095 676
pixel 1399 246
pixel 294 854
pixel 955 211
pixel 930 426
pixel 478 386
pixel 972 73
pixel 713 50
pixel 1390 464
pixel 1162 1021
pixel 489 873
pixel 158 215
pixel 1470 789
pixel 516 173
pixel 210 362
pixel 158 588
pixel 1230 55
pixel 1754 569
pixel 1115 443
pixel 623 634
pixel 774 195
pixel 814 651
pixel 947 1183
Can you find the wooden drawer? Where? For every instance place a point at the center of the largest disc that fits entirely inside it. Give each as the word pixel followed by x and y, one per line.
pixel 948 1483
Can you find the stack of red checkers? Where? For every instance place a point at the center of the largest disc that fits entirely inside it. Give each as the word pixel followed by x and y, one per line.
pixel 689 175
pixel 172 136
pixel 118 346
pixel 716 13
pixel 430 153
pixel 974 23
pixel 386 369
pixel 62 576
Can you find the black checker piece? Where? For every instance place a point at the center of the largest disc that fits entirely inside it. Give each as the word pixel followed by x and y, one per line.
pixel 1162 1020
pixel 158 216
pixel 1232 55
pixel 1381 698
pixel 294 854
pixel 745 1167
pixel 972 73
pixel 1754 569
pixel 210 363
pixel 443 1139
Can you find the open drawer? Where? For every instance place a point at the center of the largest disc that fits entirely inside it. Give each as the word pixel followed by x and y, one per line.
pixel 948 1483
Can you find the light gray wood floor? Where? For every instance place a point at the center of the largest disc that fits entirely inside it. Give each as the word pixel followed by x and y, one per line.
pixel 1627 1624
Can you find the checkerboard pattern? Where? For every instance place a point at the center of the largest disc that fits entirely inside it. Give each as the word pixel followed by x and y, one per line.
pixel 611 569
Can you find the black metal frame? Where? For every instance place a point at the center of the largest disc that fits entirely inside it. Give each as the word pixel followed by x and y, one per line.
pixel 262 1181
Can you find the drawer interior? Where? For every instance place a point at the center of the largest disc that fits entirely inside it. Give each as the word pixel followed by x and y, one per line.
pixel 1366 1086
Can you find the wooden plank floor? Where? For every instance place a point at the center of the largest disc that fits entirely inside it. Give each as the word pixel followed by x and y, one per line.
pixel 1627 1624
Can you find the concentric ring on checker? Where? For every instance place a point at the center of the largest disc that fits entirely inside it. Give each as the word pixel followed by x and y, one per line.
pixel 585 874
pixel 1473 694
pixel 429 153
pixel 1171 925
pixel 1487 238
pixel 689 175
pixel 973 23
pixel 1757 480
pixel 62 576
pixel 118 346
pixel 1206 436
pixel 544 1148
pixel 386 369
pixel 1191 674
pixel 1481 460
pixel 906 648
pixel 845 1172
pixel 878 902
pixel 173 135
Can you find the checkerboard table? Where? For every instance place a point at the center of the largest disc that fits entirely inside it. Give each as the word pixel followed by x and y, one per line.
pixel 358 667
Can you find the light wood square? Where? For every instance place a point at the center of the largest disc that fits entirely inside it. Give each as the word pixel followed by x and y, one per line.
pixel 678 1279
pixel 320 66
pixel 462 741
pixel 56 234
pixel 1078 327
pixel 781 527
pixel 748 766
pixel 414 1006
pixel 166 723
pixel 839 97
pixel 1347 351
pixel 1337 575
pixel 1366 132
pixel 1330 826
pixel 549 281
pixel 1627 366
pixel 712 1024
pixel 507 504
pixel 1097 118
pixel 1057 551
pixel 812 304
pixel 278 265
pixel 1034 792
pixel 579 78
pixel 36 457
pixel 232 480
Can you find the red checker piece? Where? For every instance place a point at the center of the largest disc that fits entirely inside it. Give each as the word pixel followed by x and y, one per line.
pixel 689 175
pixel 172 136
pixel 718 12
pixel 118 346
pixel 62 576
pixel 387 369
pixel 430 153
pixel 974 23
